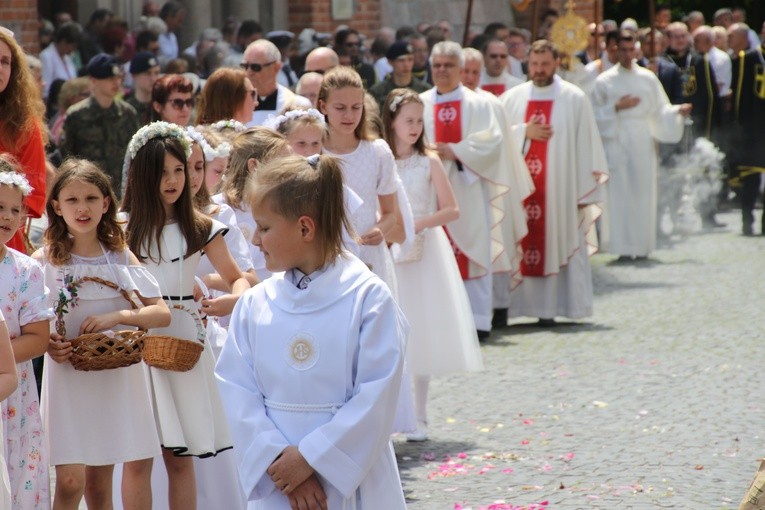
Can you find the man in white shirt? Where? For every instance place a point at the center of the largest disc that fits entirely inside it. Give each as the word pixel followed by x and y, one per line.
pixel 173 14
pixel 56 59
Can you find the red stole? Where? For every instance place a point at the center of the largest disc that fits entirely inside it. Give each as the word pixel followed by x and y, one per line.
pixel 533 263
pixel 495 88
pixel 448 129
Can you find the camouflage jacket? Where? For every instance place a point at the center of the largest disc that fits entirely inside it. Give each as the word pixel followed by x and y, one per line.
pixel 381 90
pixel 100 135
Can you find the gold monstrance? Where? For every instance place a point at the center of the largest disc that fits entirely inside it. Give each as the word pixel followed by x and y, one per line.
pixel 570 33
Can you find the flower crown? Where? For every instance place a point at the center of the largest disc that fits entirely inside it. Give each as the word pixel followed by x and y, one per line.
pixel 231 124
pixel 159 129
pixel 222 151
pixel 275 122
pixel 16 180
pixel 394 104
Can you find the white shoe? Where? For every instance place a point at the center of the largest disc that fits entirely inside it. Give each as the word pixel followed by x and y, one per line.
pixel 419 435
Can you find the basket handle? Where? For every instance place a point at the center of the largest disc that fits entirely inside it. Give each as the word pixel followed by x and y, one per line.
pixel 112 285
pixel 201 330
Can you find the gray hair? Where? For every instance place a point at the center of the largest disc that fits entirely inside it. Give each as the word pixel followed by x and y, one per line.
pixel 706 32
pixel 267 47
pixel 448 49
pixel 472 55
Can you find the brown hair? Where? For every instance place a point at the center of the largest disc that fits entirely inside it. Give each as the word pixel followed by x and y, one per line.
pixel 260 143
pixel 202 198
pixel 109 232
pixel 293 187
pixel 142 201
pixel 165 86
pixel 544 46
pixel 339 78
pixel 407 96
pixel 21 108
pixel 223 93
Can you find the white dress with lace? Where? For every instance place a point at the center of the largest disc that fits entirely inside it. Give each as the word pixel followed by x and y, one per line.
pixel 442 336
pixel 97 417
pixel 370 171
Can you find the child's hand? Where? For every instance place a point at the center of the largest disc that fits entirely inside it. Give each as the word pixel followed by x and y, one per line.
pixel 198 294
pixel 96 323
pixel 219 306
pixel 373 237
pixel 309 494
pixel 289 470
pixel 59 349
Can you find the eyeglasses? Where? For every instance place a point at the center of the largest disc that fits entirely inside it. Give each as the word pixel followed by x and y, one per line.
pixel 255 68
pixel 497 55
pixel 352 44
pixel 178 103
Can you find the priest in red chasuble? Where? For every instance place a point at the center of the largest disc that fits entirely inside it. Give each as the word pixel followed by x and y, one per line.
pixel 553 124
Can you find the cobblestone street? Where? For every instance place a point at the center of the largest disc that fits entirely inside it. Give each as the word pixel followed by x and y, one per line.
pixel 651 404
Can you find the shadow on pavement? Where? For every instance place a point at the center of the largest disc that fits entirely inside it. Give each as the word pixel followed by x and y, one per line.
pixel 413 455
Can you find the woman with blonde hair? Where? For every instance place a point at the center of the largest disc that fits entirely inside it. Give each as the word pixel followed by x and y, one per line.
pixel 227 94
pixel 21 125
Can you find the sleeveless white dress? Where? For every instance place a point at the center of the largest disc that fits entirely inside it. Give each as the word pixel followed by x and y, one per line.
pixel 99 417
pixel 442 336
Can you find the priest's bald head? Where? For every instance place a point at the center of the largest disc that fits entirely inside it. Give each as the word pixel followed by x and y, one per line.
pixel 446 62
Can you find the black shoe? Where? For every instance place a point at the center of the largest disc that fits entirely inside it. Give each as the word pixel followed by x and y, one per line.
pixel 483 334
pixel 546 323
pixel 499 319
pixel 748 231
pixel 623 259
pixel 641 258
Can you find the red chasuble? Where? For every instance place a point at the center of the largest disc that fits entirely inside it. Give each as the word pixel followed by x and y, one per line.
pixel 495 88
pixel 448 128
pixel 533 263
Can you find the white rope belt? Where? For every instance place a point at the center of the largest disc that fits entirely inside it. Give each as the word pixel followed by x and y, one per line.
pixel 304 408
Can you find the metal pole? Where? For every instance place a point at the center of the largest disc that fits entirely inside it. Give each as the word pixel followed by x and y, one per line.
pixel 652 24
pixel 535 21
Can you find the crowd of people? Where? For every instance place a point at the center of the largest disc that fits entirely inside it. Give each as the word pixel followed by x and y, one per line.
pixel 325 223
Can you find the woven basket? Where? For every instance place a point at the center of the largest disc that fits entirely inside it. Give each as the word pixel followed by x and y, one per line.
pixel 98 351
pixel 173 353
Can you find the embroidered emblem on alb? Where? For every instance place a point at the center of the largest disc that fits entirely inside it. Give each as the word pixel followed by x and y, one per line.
pixel 302 352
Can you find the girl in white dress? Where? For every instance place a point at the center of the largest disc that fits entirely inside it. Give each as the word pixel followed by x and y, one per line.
pixel 8 382
pixel 95 419
pixel 168 235
pixel 251 148
pixel 368 169
pixel 443 335
pixel 24 301
pixel 312 367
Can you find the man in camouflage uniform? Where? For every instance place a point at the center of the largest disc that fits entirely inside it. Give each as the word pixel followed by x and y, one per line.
pixel 100 127
pixel 144 69
pixel 400 56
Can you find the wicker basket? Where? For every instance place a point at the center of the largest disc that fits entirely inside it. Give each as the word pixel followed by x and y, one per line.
pixel 173 353
pixel 99 351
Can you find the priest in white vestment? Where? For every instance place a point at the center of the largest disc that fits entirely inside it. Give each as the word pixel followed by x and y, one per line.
pixel 495 77
pixel 551 122
pixel 469 141
pixel 510 216
pixel 633 113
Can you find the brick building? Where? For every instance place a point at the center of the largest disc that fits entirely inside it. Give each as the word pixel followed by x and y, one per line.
pixel 323 15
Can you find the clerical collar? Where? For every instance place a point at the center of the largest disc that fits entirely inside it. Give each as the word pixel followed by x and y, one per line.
pixel 267 103
pixel 301 280
pixel 452 95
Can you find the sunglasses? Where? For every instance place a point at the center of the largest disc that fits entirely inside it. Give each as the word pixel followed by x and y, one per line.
pixel 255 68
pixel 497 55
pixel 178 104
pixel 352 44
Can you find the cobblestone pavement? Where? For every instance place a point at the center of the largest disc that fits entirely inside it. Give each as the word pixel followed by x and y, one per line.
pixel 650 404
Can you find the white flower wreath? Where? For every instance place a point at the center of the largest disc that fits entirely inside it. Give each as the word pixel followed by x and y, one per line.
pixel 16 180
pixel 275 122
pixel 231 123
pixel 222 151
pixel 159 129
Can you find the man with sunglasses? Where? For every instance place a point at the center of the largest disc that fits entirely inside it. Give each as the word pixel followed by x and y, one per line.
pixel 262 62
pixel 495 78
pixel 100 127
